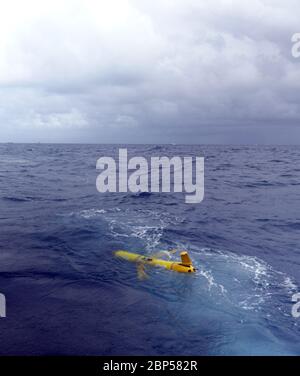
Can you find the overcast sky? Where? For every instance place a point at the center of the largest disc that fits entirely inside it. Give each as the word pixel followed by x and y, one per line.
pixel 169 71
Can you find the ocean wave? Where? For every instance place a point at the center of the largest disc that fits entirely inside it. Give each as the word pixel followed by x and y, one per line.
pixel 16 199
pixel 10 160
pixel 141 194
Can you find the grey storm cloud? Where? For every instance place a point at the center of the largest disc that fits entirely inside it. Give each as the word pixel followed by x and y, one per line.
pixel 146 71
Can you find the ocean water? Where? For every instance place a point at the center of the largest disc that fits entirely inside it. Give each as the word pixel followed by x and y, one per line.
pixel 67 294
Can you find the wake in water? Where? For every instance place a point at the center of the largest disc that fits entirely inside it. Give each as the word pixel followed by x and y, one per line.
pixel 212 263
pixel 235 290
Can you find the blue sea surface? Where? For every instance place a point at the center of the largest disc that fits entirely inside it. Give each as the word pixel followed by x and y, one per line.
pixel 67 294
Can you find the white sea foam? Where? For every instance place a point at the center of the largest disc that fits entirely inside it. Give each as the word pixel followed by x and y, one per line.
pixel 207 274
pixel 134 226
pixel 91 213
pixel 290 285
pixel 245 281
pixel 146 225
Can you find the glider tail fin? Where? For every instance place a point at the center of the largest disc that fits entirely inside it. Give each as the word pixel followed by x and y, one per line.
pixel 185 259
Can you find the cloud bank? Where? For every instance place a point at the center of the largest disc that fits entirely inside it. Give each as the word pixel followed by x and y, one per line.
pixel 130 71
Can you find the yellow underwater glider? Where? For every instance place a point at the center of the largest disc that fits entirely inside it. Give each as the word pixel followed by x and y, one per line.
pixel 183 266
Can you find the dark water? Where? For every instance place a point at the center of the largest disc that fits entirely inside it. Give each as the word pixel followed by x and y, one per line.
pixel 67 294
